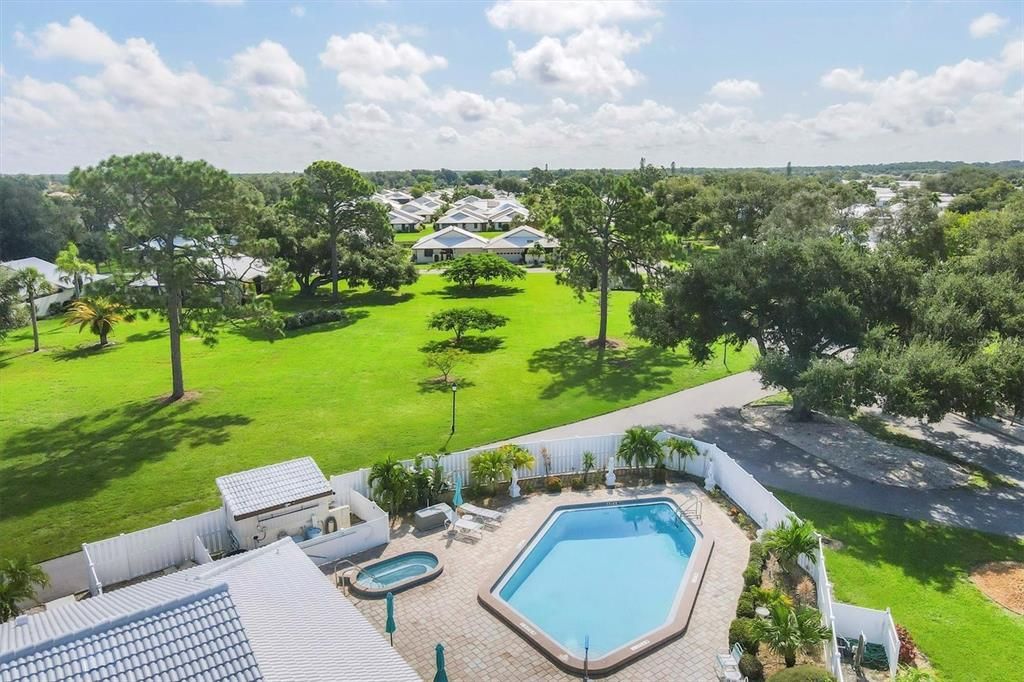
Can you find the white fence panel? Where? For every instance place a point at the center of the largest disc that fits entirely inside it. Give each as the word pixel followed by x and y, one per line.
pixel 348 541
pixel 199 551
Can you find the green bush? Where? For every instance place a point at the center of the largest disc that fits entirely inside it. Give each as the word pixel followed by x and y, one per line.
pixel 553 484
pixel 577 483
pixel 308 318
pixel 741 631
pixel 745 607
pixel 752 575
pixel 757 553
pixel 802 673
pixel 751 667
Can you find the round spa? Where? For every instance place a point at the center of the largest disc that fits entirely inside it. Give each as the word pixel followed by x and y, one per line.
pixel 394 574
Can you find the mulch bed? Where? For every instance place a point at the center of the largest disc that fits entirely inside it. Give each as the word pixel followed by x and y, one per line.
pixel 1002 582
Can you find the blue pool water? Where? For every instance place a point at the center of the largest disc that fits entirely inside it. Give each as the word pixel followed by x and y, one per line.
pixel 610 572
pixel 391 572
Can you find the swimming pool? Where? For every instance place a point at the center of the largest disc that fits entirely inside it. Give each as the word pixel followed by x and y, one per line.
pixel 622 575
pixel 395 574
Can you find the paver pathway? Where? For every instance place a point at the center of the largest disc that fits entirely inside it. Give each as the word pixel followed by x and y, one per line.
pixel 710 412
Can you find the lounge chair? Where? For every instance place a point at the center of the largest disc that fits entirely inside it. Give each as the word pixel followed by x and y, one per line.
pixel 483 513
pixel 463 526
pixel 727 666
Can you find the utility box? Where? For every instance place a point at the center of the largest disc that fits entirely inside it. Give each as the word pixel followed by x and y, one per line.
pixel 265 504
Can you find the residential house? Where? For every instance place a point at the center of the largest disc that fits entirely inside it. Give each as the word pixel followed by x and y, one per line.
pixel 464 218
pixel 446 244
pixel 268 614
pixel 61 288
pixel 475 215
pixel 404 221
pixel 515 245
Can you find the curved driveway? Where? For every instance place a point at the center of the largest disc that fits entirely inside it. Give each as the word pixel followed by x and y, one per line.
pixel 710 412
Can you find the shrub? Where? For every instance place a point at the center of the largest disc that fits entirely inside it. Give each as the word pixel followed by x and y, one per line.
pixel 308 318
pixel 751 668
pixel 741 631
pixel 578 483
pixel 745 607
pixel 908 649
pixel 752 575
pixel 553 484
pixel 757 553
pixel 802 673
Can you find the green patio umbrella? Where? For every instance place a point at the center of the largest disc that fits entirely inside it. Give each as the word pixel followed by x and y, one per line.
pixel 440 675
pixel 457 498
pixel 390 626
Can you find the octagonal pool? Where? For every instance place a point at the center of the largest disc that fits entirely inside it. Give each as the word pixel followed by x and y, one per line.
pixel 620 576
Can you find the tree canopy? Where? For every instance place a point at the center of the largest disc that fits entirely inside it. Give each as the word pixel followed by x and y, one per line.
pixel 473 268
pixel 461 320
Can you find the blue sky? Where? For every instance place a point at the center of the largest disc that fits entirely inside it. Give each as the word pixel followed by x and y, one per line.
pixel 259 86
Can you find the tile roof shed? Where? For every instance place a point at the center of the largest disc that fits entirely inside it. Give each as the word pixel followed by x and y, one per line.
pixel 271 487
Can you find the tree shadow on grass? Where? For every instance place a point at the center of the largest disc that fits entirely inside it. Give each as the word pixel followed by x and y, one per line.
pixel 151 335
pixel 479 291
pixel 254 333
pixel 623 374
pixel 348 298
pixel 81 352
pixel 439 385
pixel 77 457
pixel 470 344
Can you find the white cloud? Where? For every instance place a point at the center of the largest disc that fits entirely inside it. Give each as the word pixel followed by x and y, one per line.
pixel 987 24
pixel 503 76
pixel 736 89
pixel 648 110
pixel 267 64
pixel 447 135
pixel 566 15
pixel 471 107
pixel 588 63
pixel 846 80
pixel 378 68
pixel 560 106
pixel 79 40
pixel 298 11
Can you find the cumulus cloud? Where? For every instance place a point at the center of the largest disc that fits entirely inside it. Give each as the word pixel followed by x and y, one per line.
pixel 267 64
pixel 560 106
pixel 648 110
pixel 566 15
pixel 987 24
pixel 471 107
pixel 379 68
pixel 736 89
pixel 79 40
pixel 298 11
pixel 447 135
pixel 588 63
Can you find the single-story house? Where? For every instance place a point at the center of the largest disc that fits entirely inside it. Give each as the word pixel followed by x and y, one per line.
pixel 464 218
pixel 268 614
pixel 61 288
pixel 398 195
pixel 514 246
pixel 404 221
pixel 446 244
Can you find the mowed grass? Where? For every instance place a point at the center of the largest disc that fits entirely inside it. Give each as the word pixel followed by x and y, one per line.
pixel 921 570
pixel 88 451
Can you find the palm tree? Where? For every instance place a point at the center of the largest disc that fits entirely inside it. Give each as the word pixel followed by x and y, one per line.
pixel 75 269
pixel 680 449
pixel 589 462
pixel 34 285
pixel 99 314
pixel 490 466
pixel 787 631
pixel 17 580
pixel 639 448
pixel 792 539
pixel 389 482
pixel 518 457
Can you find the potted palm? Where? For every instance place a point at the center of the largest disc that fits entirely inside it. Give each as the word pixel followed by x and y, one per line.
pixel 389 484
pixel 792 539
pixel 589 462
pixel 639 448
pixel 680 450
pixel 787 631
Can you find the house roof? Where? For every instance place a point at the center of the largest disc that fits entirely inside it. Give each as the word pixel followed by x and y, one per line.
pixel 450 238
pixel 273 486
pixel 462 215
pixel 257 616
pixel 520 238
pixel 402 217
pixel 48 270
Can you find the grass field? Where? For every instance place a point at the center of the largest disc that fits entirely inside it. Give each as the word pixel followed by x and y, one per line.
pixel 921 571
pixel 87 450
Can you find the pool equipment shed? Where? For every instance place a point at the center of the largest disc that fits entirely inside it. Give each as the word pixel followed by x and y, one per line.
pixel 290 498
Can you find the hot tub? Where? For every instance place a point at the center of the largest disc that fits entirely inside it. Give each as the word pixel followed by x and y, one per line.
pixel 395 574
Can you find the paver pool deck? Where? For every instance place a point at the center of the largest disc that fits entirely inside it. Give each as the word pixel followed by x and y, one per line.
pixel 478 646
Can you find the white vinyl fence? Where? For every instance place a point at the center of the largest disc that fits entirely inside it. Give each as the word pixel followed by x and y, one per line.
pixel 375 531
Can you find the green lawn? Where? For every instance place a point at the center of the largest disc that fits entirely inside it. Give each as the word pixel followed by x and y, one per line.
pixel 921 570
pixel 87 452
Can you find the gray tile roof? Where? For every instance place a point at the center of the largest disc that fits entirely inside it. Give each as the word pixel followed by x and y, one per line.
pixel 268 614
pixel 269 487
pixel 198 637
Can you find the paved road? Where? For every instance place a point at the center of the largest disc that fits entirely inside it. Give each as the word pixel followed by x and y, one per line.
pixel 711 413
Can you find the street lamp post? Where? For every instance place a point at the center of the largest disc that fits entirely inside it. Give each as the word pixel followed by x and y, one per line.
pixel 454 389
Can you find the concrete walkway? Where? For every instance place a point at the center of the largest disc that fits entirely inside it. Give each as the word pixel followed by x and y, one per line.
pixel 710 412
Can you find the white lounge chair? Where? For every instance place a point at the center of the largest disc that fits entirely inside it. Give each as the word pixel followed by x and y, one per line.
pixel 463 525
pixel 727 666
pixel 483 513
